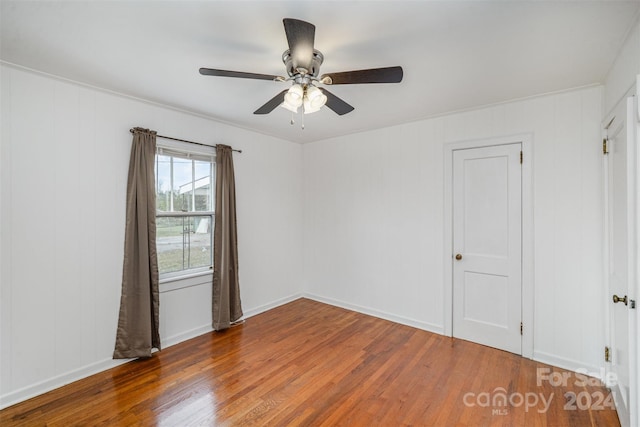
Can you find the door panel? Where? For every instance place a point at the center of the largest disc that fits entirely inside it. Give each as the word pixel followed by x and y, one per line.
pixel 492 287
pixel 485 195
pixel 487 217
pixel 617 186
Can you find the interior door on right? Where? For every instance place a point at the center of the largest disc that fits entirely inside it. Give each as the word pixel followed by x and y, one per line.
pixel 618 261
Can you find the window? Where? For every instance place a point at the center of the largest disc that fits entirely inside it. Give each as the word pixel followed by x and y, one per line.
pixel 184 209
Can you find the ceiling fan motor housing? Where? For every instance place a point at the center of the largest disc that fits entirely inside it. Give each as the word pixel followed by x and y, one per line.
pixel 294 69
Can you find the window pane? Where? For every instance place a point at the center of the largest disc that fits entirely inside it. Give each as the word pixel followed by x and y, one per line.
pixel 170 244
pixel 200 243
pixel 183 243
pixel 203 195
pixel 182 184
pixel 163 183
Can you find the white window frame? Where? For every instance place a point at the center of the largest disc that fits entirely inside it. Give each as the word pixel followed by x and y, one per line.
pixel 190 276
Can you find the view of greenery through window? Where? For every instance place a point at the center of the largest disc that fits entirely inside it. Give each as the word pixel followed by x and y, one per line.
pixel 184 205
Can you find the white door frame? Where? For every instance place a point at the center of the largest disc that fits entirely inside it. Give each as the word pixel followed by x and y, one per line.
pixel 634 373
pixel 634 345
pixel 527 231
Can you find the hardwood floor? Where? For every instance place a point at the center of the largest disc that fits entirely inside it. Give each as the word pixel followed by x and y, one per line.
pixel 307 363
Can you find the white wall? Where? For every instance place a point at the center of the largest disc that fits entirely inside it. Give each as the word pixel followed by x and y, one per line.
pixel 373 219
pixel 63 161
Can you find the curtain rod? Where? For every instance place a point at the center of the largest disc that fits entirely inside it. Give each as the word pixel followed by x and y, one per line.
pixel 190 142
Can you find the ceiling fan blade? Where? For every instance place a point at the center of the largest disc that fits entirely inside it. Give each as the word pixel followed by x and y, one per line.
pixel 300 35
pixel 271 104
pixel 336 104
pixel 372 75
pixel 239 74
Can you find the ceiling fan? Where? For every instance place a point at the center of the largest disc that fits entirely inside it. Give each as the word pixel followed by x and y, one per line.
pixel 303 62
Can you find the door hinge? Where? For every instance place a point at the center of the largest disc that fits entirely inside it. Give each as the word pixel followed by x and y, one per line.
pixel 521 328
pixel 521 157
pixel 605 146
pixel 607 354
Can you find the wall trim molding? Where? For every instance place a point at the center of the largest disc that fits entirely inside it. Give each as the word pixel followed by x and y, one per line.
pixel 569 364
pixel 429 327
pixel 269 306
pixel 187 335
pixel 205 329
pixel 61 380
pixel 58 381
pixel 136 98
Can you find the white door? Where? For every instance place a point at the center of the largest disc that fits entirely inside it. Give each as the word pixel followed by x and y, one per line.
pixel 487 236
pixel 620 267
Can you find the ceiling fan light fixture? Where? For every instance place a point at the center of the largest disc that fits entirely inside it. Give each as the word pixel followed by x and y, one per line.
pixel 293 97
pixel 314 99
pixel 308 108
pixel 289 107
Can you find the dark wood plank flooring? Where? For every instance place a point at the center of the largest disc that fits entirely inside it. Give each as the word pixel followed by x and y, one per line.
pixel 310 364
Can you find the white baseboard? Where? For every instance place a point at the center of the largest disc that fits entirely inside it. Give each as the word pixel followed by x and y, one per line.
pixel 178 338
pixel 58 381
pixel 266 307
pixel 429 327
pixel 569 364
pixel 204 329
pixel 33 390
pixel 624 415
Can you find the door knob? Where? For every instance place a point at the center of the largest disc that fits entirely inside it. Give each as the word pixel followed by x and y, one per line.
pixel 458 257
pixel 617 299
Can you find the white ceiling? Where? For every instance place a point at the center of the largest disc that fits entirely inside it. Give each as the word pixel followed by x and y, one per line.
pixel 456 55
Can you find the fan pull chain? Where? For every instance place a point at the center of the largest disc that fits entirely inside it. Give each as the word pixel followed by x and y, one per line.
pixel 292 121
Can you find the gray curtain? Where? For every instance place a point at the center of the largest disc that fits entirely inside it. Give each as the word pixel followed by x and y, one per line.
pixel 137 331
pixel 226 288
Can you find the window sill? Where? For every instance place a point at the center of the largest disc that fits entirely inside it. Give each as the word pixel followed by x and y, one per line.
pixel 196 279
